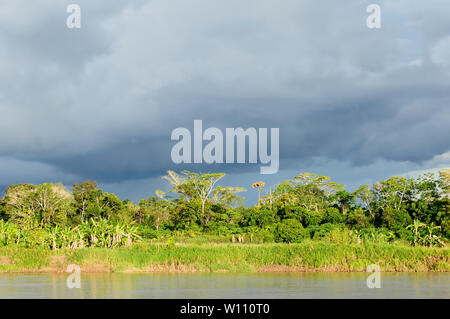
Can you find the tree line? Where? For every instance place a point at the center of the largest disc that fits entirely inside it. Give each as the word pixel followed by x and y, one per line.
pixel 306 207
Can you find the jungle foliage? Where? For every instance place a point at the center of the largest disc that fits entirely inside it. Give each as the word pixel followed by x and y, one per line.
pixel 306 207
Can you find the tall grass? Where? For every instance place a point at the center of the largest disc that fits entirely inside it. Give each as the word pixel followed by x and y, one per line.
pixel 308 256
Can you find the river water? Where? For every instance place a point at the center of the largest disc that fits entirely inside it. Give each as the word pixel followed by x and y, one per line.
pixel 226 285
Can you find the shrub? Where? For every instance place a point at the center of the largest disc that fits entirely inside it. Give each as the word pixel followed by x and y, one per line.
pixel 397 221
pixel 341 236
pixel 333 215
pixel 313 218
pixel 222 230
pixel 290 231
pixel 147 232
pixel 376 235
pixel 446 227
pixel 266 235
pixel 319 232
pixel 293 212
pixel 357 219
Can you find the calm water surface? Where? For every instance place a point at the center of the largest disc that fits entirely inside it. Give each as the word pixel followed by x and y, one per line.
pixel 226 285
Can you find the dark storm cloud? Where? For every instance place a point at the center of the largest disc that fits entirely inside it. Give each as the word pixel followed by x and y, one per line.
pixel 101 102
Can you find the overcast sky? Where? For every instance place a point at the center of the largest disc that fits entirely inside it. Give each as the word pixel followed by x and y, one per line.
pixel 100 102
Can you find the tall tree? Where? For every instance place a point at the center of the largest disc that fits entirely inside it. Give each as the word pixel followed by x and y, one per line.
pixel 201 187
pixel 393 192
pixel 367 197
pixel 313 191
pixel 46 204
pixel 82 193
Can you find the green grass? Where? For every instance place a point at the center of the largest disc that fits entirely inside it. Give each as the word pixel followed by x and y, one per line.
pixel 308 256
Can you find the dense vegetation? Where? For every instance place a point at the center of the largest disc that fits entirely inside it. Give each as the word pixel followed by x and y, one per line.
pixel 307 207
pixel 150 257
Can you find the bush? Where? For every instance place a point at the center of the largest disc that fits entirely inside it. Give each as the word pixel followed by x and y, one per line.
pixel 341 236
pixel 446 227
pixel 222 230
pixel 290 231
pixel 333 215
pixel 307 218
pixel 397 221
pixel 147 232
pixel 36 237
pixel 313 218
pixel 292 212
pixel 376 235
pixel 258 217
pixel 266 235
pixel 319 232
pixel 357 219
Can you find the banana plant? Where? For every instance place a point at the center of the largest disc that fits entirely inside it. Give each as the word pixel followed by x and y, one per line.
pixel 431 239
pixel 415 226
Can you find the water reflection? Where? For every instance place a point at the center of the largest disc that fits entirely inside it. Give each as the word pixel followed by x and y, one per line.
pixel 226 285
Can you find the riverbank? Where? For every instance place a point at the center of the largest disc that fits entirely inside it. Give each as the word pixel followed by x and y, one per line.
pixel 309 256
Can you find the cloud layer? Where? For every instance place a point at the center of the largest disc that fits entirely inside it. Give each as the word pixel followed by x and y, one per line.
pixel 100 102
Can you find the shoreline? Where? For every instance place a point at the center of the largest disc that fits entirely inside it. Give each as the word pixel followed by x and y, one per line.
pixel 169 270
pixel 161 258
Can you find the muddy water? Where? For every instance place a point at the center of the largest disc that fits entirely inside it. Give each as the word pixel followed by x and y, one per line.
pixel 227 285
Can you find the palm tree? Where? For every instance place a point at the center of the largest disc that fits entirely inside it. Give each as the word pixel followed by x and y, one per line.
pixel 258 185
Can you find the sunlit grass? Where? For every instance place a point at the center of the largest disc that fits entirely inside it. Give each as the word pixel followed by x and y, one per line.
pixel 308 256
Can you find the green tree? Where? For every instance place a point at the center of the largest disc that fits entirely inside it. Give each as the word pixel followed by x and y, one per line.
pixel 393 192
pixel 82 195
pixel 357 218
pixel 367 198
pixel 310 191
pixel 290 231
pixel 44 204
pixel 202 187
pixel 345 199
pixel 158 210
